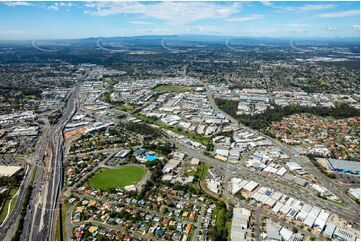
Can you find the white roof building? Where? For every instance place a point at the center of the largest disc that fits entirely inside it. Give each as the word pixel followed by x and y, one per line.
pixel 309 221
pixel 285 209
pixel 9 171
pixel 354 192
pixel 270 202
pixel 276 195
pixel 171 164
pixel 286 234
pixel 250 186
pixel 239 223
pixel 321 219
pixel 281 171
pixel 277 207
pixel 293 166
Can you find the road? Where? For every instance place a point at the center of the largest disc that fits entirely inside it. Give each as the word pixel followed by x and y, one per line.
pixel 48 207
pixel 45 212
pixel 197 225
pixel 40 221
pixel 231 170
pixel 7 229
pixel 352 206
pixel 257 224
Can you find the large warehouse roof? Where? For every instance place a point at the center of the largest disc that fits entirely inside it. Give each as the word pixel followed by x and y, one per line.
pixel 9 170
pixel 344 165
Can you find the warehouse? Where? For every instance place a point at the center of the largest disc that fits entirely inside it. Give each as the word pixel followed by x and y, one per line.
pixel 240 222
pixel 344 234
pixel 344 166
pixel 251 186
pixel 9 171
pixel 277 207
pixel 321 219
pixel 329 230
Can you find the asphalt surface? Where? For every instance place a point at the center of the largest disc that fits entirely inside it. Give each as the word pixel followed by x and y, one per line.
pixel 40 223
pixel 44 220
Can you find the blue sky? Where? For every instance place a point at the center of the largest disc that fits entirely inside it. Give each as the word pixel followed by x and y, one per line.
pixel 54 20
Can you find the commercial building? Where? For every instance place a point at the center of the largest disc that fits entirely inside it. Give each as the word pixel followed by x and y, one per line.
pixel 344 166
pixel 9 171
pixel 354 193
pixel 240 224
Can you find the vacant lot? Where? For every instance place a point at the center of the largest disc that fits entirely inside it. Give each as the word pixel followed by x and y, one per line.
pixel 74 133
pixel 174 88
pixel 111 178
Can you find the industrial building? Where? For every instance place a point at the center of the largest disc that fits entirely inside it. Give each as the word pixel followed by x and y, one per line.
pixel 9 171
pixel 344 166
pixel 240 222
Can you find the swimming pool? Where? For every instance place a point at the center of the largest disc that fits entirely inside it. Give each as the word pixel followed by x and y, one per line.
pixel 151 157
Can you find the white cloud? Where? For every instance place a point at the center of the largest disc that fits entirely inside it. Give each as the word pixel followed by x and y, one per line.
pixel 57 6
pixel 316 7
pixel 171 12
pixel 348 13
pixel 15 4
pixel 307 7
pixel 66 4
pixel 266 3
pixel 245 18
pixel 11 31
pixel 54 7
pixel 356 28
pixel 332 29
pixel 139 22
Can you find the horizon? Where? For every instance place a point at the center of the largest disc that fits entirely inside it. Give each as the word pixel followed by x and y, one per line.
pixel 81 20
pixel 302 38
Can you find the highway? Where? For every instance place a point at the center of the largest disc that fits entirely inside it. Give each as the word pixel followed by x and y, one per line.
pixel 46 210
pixel 40 221
pixel 47 168
pixel 7 229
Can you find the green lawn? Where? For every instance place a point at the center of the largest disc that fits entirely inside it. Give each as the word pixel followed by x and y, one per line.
pixel 12 194
pixel 127 107
pixel 174 88
pixel 202 171
pixel 31 97
pixel 64 210
pixel 107 179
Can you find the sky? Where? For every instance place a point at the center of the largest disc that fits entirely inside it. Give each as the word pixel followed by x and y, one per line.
pixel 70 20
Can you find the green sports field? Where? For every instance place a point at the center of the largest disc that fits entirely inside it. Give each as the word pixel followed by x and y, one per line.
pixel 107 178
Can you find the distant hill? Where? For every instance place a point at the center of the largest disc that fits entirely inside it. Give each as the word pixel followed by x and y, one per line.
pixel 191 40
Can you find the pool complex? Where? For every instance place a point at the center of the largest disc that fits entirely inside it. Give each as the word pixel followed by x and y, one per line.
pixel 151 157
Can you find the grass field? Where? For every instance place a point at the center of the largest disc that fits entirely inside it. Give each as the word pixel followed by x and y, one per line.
pixel 127 107
pixel 12 197
pixel 202 171
pixel 64 210
pixel 174 88
pixel 107 179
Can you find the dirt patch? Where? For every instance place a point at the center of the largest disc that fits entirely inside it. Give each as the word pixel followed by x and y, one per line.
pixel 74 133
